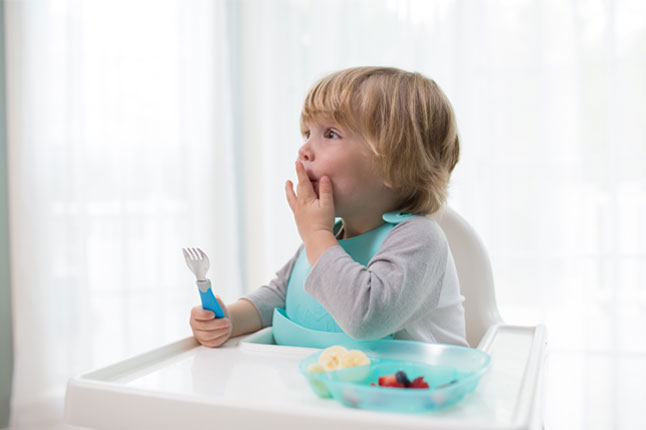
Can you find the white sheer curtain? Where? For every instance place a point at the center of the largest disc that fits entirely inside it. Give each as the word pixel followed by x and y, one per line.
pixel 121 152
pixel 139 127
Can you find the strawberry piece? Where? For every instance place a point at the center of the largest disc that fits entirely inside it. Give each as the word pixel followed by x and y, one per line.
pixel 390 381
pixel 418 383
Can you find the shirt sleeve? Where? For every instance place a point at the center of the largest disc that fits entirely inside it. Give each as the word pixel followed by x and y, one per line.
pixel 271 296
pixel 400 284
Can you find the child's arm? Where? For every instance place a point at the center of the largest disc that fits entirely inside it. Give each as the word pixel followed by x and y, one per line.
pixel 247 315
pixel 401 284
pixel 244 318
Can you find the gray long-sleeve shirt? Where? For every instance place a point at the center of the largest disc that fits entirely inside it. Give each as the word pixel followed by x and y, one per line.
pixel 410 288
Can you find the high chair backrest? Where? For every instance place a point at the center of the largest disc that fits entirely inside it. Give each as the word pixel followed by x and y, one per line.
pixel 474 272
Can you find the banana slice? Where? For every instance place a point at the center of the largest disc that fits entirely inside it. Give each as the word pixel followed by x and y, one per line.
pixel 330 358
pixel 315 368
pixel 318 386
pixel 354 358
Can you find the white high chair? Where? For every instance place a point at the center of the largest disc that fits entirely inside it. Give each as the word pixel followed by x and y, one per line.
pixel 474 272
pixel 249 382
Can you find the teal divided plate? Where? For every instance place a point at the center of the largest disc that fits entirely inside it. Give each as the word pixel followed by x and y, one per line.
pixel 451 372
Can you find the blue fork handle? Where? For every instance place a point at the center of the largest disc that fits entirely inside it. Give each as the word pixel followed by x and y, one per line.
pixel 208 299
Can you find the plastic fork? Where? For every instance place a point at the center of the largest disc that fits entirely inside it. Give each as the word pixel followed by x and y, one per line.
pixel 198 262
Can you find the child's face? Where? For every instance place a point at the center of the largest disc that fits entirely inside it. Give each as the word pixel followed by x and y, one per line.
pixel 333 151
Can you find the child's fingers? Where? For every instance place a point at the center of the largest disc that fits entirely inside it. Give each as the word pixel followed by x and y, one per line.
pixel 301 174
pixel 211 325
pixel 206 335
pixel 207 329
pixel 289 192
pixel 200 314
pixel 304 187
pixel 325 191
pixel 212 339
pixel 217 341
pixel 223 306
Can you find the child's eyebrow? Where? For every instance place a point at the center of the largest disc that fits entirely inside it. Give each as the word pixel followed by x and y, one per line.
pixel 331 124
pixel 322 124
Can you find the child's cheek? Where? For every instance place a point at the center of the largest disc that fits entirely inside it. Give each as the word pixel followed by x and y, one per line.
pixel 341 192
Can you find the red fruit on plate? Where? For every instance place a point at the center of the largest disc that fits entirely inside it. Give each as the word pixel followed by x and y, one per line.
pixel 390 381
pixel 418 383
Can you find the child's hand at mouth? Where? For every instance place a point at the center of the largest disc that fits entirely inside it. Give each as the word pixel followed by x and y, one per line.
pixel 314 215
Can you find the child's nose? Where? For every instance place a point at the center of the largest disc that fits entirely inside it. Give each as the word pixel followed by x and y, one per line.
pixel 305 152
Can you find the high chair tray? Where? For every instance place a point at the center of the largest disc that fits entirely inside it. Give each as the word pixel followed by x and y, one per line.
pixel 251 383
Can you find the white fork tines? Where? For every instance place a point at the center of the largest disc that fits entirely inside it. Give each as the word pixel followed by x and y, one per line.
pixel 197 261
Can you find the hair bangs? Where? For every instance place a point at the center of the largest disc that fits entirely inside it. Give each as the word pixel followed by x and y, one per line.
pixel 331 99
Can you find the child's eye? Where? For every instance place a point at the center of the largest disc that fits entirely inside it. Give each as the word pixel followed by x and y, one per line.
pixel 306 134
pixel 331 134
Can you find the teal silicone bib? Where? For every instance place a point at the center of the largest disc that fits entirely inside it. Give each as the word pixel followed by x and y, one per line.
pixel 304 321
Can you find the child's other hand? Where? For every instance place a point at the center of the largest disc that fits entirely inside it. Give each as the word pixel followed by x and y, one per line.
pixel 313 214
pixel 208 330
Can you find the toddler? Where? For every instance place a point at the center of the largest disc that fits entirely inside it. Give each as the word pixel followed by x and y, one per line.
pixel 379 147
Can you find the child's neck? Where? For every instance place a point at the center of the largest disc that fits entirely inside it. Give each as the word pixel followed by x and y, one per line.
pixel 357 225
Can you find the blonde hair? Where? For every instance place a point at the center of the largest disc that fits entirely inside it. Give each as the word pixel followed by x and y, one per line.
pixel 407 121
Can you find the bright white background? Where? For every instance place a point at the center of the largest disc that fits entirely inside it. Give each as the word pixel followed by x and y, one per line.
pixel 139 127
